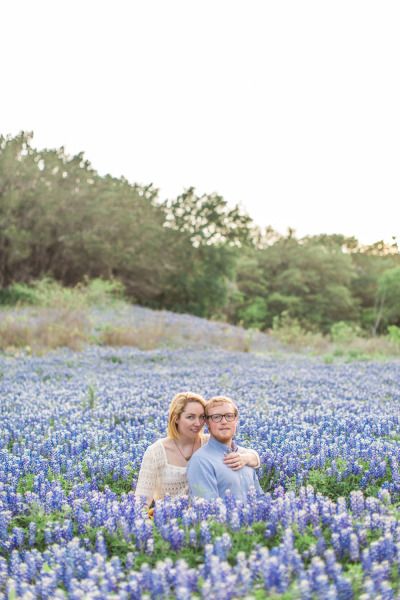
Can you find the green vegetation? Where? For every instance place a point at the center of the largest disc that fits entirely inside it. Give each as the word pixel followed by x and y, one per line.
pixel 244 540
pixel 41 520
pixel 25 484
pixel 49 293
pixel 101 238
pixel 119 485
pixel 394 334
pixel 90 400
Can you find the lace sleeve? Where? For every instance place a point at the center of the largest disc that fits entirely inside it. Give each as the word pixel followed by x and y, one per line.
pixel 247 450
pixel 149 475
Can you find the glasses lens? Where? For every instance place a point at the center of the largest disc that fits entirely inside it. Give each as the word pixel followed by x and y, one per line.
pixel 230 416
pixel 215 418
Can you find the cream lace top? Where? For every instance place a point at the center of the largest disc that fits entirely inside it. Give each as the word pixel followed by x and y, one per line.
pixel 158 478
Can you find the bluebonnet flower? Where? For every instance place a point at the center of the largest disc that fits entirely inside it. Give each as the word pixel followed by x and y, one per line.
pixel 357 503
pixel 320 417
pixel 222 546
pixel 205 534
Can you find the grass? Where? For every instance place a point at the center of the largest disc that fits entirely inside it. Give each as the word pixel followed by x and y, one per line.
pixel 47 330
pixel 43 316
pixel 334 348
pixel 144 337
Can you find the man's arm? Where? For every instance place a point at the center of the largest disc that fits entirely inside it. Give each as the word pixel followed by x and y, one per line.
pixel 202 478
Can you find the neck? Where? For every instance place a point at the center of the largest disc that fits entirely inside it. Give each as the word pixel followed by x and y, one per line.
pixel 227 442
pixel 185 440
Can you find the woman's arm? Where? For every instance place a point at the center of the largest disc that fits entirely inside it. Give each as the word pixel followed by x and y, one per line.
pixel 148 477
pixel 241 458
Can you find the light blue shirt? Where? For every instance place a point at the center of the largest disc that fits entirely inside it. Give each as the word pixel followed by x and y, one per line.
pixel 209 477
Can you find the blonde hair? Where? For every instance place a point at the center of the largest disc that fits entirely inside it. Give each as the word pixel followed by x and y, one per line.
pixel 217 400
pixel 176 408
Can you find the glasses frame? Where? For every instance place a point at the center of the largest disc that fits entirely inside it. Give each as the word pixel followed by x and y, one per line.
pixel 211 417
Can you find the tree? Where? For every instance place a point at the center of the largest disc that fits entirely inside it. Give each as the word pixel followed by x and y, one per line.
pixel 307 279
pixel 388 299
pixel 206 235
pixel 19 175
pixel 59 218
pixel 207 220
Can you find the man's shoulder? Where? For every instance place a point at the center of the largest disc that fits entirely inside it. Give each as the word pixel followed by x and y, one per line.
pixel 202 458
pixel 201 453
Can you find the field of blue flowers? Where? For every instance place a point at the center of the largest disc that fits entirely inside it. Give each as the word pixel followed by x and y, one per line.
pixel 73 429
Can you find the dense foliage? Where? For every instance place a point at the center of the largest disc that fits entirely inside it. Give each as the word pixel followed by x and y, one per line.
pixel 59 218
pixel 73 429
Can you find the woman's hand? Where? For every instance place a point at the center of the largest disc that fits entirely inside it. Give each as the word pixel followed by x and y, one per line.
pixel 235 461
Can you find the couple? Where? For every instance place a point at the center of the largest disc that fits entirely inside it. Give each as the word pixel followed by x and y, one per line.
pixel 216 463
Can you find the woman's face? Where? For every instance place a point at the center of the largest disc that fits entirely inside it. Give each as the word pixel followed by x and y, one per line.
pixel 191 420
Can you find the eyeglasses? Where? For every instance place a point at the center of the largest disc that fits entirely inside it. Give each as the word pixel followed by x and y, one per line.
pixel 218 418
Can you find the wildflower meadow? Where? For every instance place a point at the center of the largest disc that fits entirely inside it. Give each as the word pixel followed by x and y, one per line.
pixel 73 430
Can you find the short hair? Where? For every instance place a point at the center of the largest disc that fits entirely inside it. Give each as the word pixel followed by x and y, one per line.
pixel 176 408
pixel 217 400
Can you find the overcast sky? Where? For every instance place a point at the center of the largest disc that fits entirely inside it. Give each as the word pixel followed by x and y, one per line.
pixel 289 108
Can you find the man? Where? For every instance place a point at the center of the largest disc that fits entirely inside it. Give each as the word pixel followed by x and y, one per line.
pixel 207 474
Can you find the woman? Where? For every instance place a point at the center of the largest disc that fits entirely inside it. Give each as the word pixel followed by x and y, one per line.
pixel 163 469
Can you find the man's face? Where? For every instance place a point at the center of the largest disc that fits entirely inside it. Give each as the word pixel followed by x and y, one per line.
pixel 224 430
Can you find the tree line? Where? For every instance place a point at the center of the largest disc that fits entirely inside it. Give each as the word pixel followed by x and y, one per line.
pixel 59 218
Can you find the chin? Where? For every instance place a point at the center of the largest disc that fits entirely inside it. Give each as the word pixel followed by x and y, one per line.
pixel 224 438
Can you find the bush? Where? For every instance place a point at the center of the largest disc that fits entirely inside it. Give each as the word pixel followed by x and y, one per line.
pixel 394 334
pixel 102 291
pixel 49 293
pixel 254 315
pixel 18 294
pixel 290 331
pixel 342 332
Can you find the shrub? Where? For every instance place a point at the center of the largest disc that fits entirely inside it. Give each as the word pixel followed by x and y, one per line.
pixel 102 291
pixel 290 331
pixel 287 329
pixel 18 294
pixel 49 293
pixel 394 334
pixel 43 292
pixel 342 332
pixel 254 314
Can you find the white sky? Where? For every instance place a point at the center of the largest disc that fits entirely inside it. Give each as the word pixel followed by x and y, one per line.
pixel 290 108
